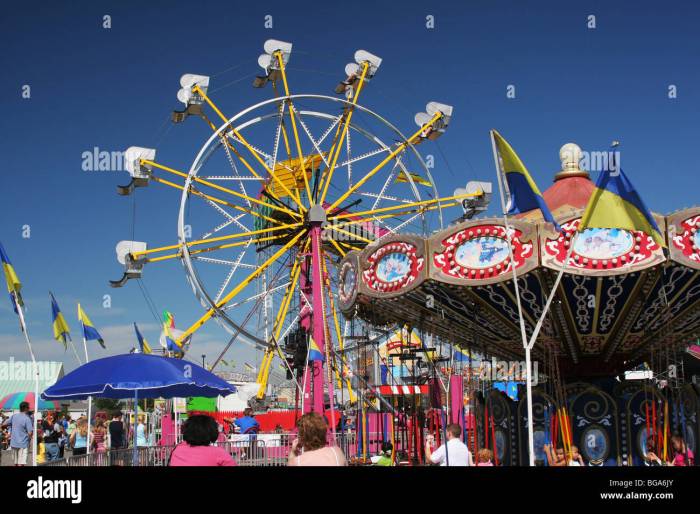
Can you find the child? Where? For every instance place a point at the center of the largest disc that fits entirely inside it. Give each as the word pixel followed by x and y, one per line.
pixel 555 457
pixel 485 455
pixel 40 450
pixel 384 458
pixel 575 458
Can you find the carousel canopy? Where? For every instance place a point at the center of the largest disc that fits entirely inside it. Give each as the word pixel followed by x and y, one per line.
pixel 620 297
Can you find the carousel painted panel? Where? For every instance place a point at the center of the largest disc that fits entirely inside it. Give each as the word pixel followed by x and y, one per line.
pixel 600 251
pixel 480 252
pixel 684 237
pixel 348 277
pixel 393 268
pixel 595 426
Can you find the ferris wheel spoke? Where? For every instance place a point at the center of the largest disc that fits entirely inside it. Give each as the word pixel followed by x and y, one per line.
pixel 223 189
pixel 346 125
pixel 224 262
pixel 229 221
pixel 280 62
pixel 401 147
pixel 232 271
pixel 210 312
pixel 245 143
pixel 315 143
pixel 234 169
pixel 255 297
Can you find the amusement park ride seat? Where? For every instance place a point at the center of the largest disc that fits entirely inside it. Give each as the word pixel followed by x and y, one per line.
pixel 353 70
pixel 133 267
pixel 474 205
pixel 140 173
pixel 270 64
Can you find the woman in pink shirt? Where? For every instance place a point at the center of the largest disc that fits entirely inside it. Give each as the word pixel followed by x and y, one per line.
pixel 682 455
pixel 310 448
pixel 199 432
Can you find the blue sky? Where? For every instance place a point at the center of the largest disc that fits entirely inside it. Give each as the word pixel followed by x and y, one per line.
pixel 113 88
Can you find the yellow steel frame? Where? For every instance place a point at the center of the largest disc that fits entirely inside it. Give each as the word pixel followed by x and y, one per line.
pixel 346 125
pixel 245 143
pixel 210 312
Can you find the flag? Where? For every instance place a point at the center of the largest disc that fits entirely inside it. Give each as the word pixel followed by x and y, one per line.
pixel 417 179
pixel 13 284
pixel 143 344
pixel 615 203
pixel 249 367
pixel 90 333
pixel 523 194
pixel 61 331
pixel 460 355
pixel 314 351
pixel 170 335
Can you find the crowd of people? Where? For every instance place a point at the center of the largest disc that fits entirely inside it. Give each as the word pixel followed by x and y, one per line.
pixel 58 433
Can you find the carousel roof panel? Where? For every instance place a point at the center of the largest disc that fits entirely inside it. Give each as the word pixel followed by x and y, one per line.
pixel 621 294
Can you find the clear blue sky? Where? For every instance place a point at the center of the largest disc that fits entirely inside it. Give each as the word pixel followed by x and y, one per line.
pixel 93 87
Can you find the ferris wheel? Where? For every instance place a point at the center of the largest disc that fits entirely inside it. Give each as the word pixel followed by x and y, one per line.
pixel 277 194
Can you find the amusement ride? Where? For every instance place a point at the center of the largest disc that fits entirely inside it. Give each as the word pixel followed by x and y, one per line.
pixel 311 227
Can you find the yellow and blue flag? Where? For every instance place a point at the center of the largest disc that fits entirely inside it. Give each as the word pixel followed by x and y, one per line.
pixel 615 203
pixel 13 284
pixel 143 344
pixel 460 355
pixel 61 331
pixel 315 353
pixel 90 333
pixel 523 193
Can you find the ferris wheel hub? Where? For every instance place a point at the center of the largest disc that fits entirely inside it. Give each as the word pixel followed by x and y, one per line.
pixel 317 216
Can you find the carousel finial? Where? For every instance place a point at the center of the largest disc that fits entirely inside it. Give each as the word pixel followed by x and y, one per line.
pixel 570 155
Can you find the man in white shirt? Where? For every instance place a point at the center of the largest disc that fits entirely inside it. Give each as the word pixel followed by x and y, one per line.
pixel 454 453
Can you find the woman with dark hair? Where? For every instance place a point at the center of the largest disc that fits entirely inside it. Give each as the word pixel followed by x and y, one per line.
pixel 682 455
pixel 311 440
pixel 199 432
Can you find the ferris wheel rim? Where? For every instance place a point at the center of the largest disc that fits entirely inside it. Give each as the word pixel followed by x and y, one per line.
pixel 208 148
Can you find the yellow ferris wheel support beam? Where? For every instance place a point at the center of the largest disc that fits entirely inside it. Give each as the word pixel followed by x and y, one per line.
pixel 216 200
pixel 277 327
pixel 210 312
pixel 346 125
pixel 198 242
pixel 338 334
pixel 222 188
pixel 400 148
pixel 302 161
pixel 245 143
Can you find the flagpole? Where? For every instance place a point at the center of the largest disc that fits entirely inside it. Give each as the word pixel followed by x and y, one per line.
pixel 75 352
pixel 20 313
pixel 523 335
pixel 87 359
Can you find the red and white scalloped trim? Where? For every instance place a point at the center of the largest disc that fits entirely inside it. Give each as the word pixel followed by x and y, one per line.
pixel 370 278
pixel 642 250
pixel 446 262
pixel 685 241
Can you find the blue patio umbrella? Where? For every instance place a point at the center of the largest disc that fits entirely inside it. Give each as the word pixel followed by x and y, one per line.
pixel 138 375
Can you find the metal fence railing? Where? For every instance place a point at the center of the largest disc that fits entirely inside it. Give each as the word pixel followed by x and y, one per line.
pixel 257 450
